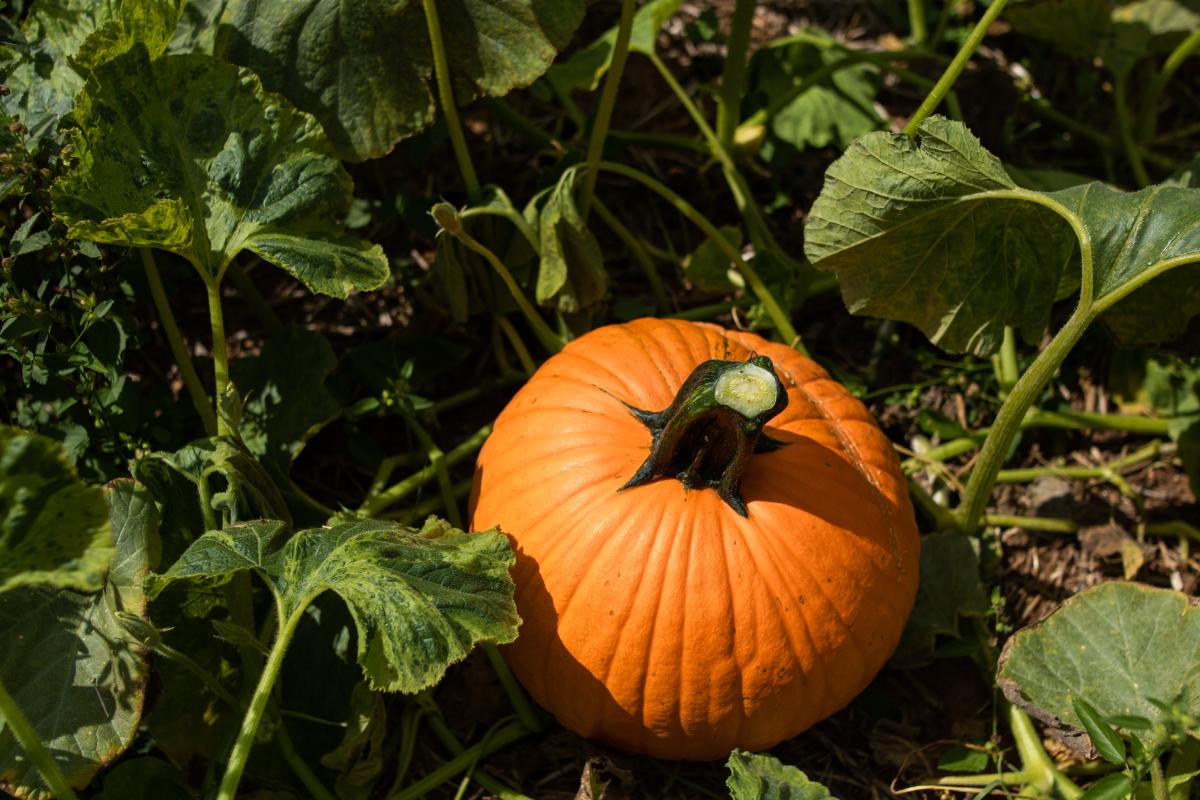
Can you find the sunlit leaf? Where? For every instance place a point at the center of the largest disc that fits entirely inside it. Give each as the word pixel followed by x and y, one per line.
pixel 54 530
pixel 754 776
pixel 930 229
pixel 68 662
pixel 1121 646
pixel 190 155
pixel 364 69
pixel 420 599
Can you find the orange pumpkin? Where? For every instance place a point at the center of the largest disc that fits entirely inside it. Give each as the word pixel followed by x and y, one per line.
pixel 712 552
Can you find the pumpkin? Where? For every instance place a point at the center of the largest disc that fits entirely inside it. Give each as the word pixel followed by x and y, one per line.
pixel 715 546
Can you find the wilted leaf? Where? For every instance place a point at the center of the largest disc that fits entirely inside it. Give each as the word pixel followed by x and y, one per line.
pixel 930 229
pixel 584 70
pixel 571 274
pixel 949 589
pixel 420 599
pixel 1119 646
pixel 54 530
pixel 363 69
pixel 188 154
pixel 754 776
pixel 69 664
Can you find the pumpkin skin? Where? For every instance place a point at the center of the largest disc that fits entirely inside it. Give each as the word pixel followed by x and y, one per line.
pixel 659 620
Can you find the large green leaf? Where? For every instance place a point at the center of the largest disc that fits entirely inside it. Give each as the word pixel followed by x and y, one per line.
pixel 364 68
pixel 754 776
pixel 949 589
pixel 833 112
pixel 54 530
pixel 150 22
pixel 587 66
pixel 69 664
pixel 930 229
pixel 286 398
pixel 190 155
pixel 1117 646
pixel 571 274
pixel 420 599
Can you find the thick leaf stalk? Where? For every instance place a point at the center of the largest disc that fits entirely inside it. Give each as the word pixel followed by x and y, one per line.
pixel 258 704
pixel 16 721
pixel 446 94
pixel 608 98
pixel 733 75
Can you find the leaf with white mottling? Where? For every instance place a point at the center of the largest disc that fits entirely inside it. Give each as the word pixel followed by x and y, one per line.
pixel 420 599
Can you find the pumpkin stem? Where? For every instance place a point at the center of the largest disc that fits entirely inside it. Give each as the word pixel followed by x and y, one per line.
pixel 706 437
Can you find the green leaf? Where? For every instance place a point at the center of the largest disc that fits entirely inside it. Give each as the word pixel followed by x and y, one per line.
pixel 1120 645
pixel 286 397
pixel 420 599
pixel 1111 787
pixel 69 664
pixel 150 22
pixel 708 268
pixel 930 229
pixel 54 530
pixel 248 491
pixel 363 69
pixel 571 274
pixel 754 776
pixel 949 589
pixel 359 757
pixel 963 759
pixel 190 155
pixel 834 111
pixel 144 778
pixel 1106 741
pixel 450 265
pixel 584 70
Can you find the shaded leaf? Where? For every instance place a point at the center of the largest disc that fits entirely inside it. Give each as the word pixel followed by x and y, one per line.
pixel 68 662
pixel 708 268
pixel 963 759
pixel 190 155
pixel 949 589
pixel 930 229
pixel 359 757
pixel 754 776
pixel 584 70
pixel 54 530
pixel 834 111
pixel 451 269
pixel 150 22
pixel 1122 646
pixel 144 778
pixel 363 69
pixel 286 398
pixel 420 599
pixel 571 274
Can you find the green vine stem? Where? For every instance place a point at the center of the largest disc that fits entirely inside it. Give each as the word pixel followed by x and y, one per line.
pixel 258 704
pixel 1148 112
pixel 287 748
pixel 1035 762
pixel 446 736
pixel 437 460
pixel 500 739
pixel 27 738
pixel 733 75
pixel 778 317
pixel 935 97
pixel 1045 524
pixel 446 95
pixel 608 97
pixel 1019 401
pixel 448 218
pixel 187 370
pixel 516 695
pixel 1107 471
pixel 916 21
pixel 382 499
pixel 518 346
pixel 1125 126
pixel 220 356
pixel 640 255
